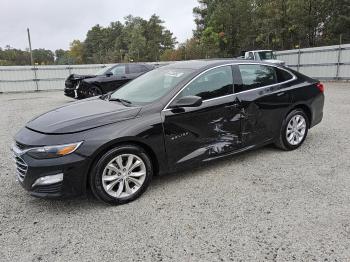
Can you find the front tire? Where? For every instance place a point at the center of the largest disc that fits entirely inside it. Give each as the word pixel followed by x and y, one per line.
pixel 121 175
pixel 293 131
pixel 94 91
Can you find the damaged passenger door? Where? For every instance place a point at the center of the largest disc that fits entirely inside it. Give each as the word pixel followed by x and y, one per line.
pixel 207 131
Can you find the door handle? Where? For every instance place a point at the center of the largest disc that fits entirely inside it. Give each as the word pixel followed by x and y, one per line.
pixel 234 105
pixel 281 93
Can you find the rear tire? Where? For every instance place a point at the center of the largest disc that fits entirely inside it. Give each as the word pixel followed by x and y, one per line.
pixel 121 175
pixel 294 130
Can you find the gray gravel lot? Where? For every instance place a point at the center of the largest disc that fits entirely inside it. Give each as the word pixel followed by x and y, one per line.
pixel 261 205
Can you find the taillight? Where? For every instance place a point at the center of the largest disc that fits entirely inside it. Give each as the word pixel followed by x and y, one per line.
pixel 320 87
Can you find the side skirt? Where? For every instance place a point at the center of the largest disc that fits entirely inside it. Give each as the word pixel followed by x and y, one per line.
pixel 244 149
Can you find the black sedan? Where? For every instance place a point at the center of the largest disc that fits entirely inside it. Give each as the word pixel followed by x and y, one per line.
pixel 106 80
pixel 171 118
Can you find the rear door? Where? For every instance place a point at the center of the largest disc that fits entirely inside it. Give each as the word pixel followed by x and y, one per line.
pixel 213 129
pixel 262 92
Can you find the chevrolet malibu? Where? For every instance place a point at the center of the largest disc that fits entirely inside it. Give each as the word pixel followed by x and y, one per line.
pixel 171 118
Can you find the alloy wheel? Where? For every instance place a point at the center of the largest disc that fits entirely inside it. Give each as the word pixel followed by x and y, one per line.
pixel 296 130
pixel 123 176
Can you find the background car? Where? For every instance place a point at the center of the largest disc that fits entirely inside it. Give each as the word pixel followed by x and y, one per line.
pixel 263 55
pixel 106 80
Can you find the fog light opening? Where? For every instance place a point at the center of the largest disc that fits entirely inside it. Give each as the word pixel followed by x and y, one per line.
pixel 48 180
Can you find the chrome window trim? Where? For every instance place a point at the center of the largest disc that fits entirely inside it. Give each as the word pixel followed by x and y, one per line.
pixel 231 64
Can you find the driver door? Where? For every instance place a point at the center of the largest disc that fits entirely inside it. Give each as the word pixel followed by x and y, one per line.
pixel 116 79
pixel 195 134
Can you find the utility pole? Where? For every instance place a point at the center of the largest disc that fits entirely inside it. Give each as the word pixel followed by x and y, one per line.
pixel 30 48
pixel 339 56
pixel 32 62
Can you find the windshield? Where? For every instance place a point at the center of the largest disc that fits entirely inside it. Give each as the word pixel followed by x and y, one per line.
pixel 151 86
pixel 104 70
pixel 266 55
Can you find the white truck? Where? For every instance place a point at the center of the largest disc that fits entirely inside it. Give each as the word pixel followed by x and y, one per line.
pixel 263 55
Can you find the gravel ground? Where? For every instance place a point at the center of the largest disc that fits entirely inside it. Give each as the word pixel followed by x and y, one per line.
pixel 261 205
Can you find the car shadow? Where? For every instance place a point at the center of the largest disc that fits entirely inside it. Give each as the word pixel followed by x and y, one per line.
pixel 158 181
pixel 88 201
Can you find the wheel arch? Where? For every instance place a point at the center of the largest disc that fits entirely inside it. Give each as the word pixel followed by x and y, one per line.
pixel 303 107
pixel 105 148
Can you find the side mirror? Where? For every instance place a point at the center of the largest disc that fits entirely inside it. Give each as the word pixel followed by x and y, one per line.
pixel 109 74
pixel 187 101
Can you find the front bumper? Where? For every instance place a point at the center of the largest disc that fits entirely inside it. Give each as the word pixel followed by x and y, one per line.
pixel 74 168
pixel 70 92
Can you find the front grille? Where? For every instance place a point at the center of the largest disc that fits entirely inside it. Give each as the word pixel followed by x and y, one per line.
pixel 21 165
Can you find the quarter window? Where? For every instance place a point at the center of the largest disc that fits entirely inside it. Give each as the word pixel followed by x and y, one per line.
pixel 215 83
pixel 134 69
pixel 283 75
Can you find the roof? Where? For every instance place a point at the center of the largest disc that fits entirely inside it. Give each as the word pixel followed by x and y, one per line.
pixel 201 64
pixel 266 50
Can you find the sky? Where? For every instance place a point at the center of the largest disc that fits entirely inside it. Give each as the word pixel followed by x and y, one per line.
pixel 55 24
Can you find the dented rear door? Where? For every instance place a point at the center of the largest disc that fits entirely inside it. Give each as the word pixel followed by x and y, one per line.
pixel 263 102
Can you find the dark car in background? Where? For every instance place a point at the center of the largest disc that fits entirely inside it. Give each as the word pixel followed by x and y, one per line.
pixel 106 80
pixel 172 118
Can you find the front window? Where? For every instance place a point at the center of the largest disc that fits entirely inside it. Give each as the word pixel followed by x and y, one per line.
pixel 103 71
pixel 266 55
pixel 151 86
pixel 118 70
pixel 212 84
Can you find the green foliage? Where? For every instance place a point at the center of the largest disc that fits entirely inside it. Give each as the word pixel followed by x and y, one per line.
pixel 270 24
pixel 10 56
pixel 135 40
pixel 43 57
pixel 224 28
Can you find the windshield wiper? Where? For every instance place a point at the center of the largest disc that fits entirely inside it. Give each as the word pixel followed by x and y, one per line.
pixel 120 100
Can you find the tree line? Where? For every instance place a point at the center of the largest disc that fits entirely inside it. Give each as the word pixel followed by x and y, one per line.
pixel 134 39
pixel 224 28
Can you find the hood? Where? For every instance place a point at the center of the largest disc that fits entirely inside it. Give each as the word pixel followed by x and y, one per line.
pixel 275 61
pixel 75 77
pixel 82 115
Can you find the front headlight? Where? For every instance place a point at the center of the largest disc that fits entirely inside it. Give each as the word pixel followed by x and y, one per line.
pixel 46 152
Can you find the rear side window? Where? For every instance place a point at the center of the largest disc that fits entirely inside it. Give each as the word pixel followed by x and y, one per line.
pixel 134 69
pixel 212 84
pixel 255 76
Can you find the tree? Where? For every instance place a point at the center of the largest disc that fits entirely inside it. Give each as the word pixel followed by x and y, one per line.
pixel 76 52
pixel 43 56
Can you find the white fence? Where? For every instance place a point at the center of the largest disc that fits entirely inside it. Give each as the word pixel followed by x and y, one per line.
pixel 27 78
pixel 324 63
